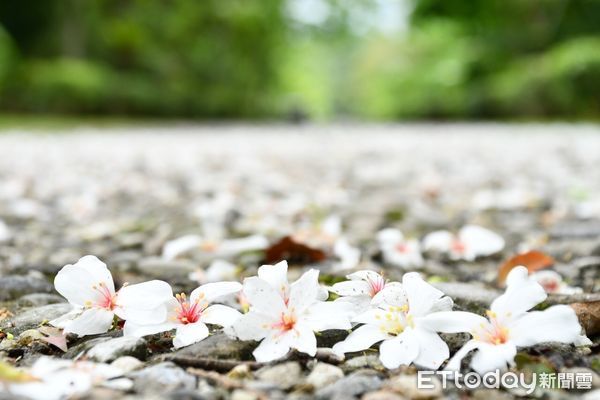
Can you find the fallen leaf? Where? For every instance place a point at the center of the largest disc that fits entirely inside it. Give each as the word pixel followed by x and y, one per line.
pixel 55 337
pixel 533 260
pixel 293 252
pixel 589 316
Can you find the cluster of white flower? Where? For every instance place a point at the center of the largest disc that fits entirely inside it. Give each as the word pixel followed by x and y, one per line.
pixel 405 317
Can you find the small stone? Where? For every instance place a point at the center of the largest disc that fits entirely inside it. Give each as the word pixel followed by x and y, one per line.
pixel 15 286
pixel 284 375
pixel 122 346
pixel 127 364
pixel 350 386
pixel 366 361
pixel 34 317
pixel 491 394
pixel 324 374
pixel 407 386
pixel 241 371
pixel 39 299
pixel 161 378
pixel 240 394
pixel 218 346
pixel 382 395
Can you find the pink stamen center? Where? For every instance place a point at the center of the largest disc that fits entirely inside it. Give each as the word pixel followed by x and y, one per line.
pixel 458 246
pixel 286 323
pixel 495 333
pixel 107 299
pixel 402 248
pixel 550 285
pixel 376 285
pixel 189 312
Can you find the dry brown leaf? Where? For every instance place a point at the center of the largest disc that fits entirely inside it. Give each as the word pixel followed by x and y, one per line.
pixel 294 252
pixel 533 260
pixel 54 336
pixel 589 316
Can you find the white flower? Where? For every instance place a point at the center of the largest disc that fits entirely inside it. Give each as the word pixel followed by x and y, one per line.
pixel 397 323
pixel 189 317
pixel 471 242
pixel 218 270
pixel 287 318
pixel 552 282
pixel 89 288
pixel 217 248
pixel 398 251
pixel 362 289
pixel 56 379
pixel 348 256
pixel 276 276
pixel 509 325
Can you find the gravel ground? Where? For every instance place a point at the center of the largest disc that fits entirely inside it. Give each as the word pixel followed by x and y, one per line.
pixel 122 193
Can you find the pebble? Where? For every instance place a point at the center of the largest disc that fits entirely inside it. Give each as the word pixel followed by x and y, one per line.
pixel 350 386
pixel 407 386
pixel 15 286
pixel 218 346
pixel 39 299
pixel 127 364
pixel 365 361
pixel 32 318
pixel 284 376
pixel 324 374
pixel 382 395
pixel 162 378
pixel 112 349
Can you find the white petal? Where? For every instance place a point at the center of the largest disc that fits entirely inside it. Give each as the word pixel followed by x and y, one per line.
pixel 443 304
pixel 189 334
pixel 522 293
pixel 392 294
pixel 555 324
pixel 213 291
pixel 232 247
pixel 492 357
pixel 132 329
pixel 176 247
pixel 401 350
pixel 219 314
pixel 304 291
pixel 454 363
pixel 76 282
pixel 144 317
pixel 276 276
pixel 389 235
pixel 433 351
pixel 323 293
pixel 364 275
pixel 372 316
pixel 253 326
pixel 451 321
pixel 325 315
pixel 481 241
pixel 421 295
pixel 438 241
pixel 144 296
pixel 360 339
pixel 92 321
pixel 303 339
pixel 63 320
pixel 263 296
pixel 351 288
pixel 272 348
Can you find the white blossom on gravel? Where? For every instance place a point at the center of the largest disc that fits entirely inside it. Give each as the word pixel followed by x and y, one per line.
pixel 397 250
pixel 190 316
pixel 471 242
pixel 348 256
pixel 396 322
pixel 509 325
pixel 57 379
pixel 286 316
pixel 362 289
pixel 214 247
pixel 218 270
pixel 88 286
pixel 552 282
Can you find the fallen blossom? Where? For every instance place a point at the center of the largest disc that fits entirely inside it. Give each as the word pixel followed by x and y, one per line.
pixel 286 317
pixel 397 324
pixel 88 286
pixel 362 289
pixel 190 316
pixel 552 282
pixel 218 270
pixel 398 251
pixel 471 242
pixel 348 257
pixel 509 325
pixel 214 247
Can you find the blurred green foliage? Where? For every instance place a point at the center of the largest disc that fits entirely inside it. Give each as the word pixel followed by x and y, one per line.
pixel 458 59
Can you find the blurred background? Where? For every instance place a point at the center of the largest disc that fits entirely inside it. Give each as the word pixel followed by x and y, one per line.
pixel 382 60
